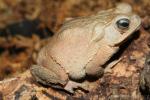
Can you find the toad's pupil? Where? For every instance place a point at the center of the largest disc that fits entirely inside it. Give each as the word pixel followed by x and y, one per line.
pixel 123 23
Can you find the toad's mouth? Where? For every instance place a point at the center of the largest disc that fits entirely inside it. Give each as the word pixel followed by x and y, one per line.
pixel 125 39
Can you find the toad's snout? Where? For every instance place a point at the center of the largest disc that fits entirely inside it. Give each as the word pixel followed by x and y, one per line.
pixel 136 22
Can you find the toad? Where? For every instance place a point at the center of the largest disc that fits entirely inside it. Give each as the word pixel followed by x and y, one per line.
pixel 82 46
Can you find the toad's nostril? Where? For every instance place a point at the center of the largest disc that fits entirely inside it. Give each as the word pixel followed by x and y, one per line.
pixel 136 17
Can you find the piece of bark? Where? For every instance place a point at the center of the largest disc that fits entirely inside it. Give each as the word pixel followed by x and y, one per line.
pixel 25 88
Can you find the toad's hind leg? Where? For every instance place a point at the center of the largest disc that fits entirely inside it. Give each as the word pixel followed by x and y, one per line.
pixel 47 76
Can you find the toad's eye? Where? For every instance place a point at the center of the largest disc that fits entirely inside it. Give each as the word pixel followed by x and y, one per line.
pixel 123 23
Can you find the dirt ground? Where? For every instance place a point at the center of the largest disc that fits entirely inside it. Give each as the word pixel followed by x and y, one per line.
pixel 27 25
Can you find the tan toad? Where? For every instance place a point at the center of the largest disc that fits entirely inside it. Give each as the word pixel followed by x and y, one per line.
pixel 82 46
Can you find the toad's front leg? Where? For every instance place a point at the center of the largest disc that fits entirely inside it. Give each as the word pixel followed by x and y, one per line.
pixel 109 67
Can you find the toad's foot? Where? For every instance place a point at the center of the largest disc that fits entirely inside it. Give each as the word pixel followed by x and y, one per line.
pixel 71 85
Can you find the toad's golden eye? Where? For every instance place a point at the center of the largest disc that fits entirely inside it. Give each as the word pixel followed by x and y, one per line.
pixel 123 23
